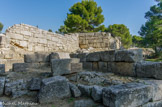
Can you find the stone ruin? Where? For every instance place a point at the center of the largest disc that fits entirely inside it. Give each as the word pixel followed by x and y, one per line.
pixel 74 70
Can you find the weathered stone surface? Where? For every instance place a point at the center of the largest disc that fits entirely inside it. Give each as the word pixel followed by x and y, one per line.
pixel 149 69
pixel 54 56
pixel 16 88
pixel 85 90
pixel 54 88
pixel 127 95
pixel 35 84
pixel 103 66
pixel 62 66
pixel 36 57
pixel 87 65
pixel 73 55
pixel 2 84
pixel 108 56
pixel 82 56
pixel 97 93
pixel 153 104
pixel 132 55
pixel 124 68
pixel 76 67
pixel 2 68
pixel 84 103
pixel 74 90
pixel 111 66
pixel 93 56
pixel 95 66
pixel 21 67
pixel 1 104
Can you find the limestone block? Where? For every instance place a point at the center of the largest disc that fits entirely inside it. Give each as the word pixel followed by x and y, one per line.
pixel 108 56
pixel 34 84
pixel 2 85
pixel 54 88
pixel 132 55
pixel 62 66
pixel 74 90
pixel 127 95
pixel 37 57
pixel 2 68
pixel 87 66
pixel 149 69
pixel 76 67
pixel 93 56
pixel 97 93
pixel 85 90
pixel 23 43
pixel 39 49
pixel 153 104
pixel 16 36
pixel 95 66
pixel 43 41
pixel 54 56
pixel 82 56
pixel 28 33
pixel 103 66
pixel 21 67
pixel 85 103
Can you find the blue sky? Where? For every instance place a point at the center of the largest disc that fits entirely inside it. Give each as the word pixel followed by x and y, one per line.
pixel 50 14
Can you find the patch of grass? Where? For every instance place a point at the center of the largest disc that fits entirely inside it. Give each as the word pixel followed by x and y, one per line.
pixel 53 106
pixel 154 60
pixel 70 100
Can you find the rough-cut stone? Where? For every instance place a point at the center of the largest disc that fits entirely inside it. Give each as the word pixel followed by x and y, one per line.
pixel 82 56
pixel 103 66
pixel 2 68
pixel 153 104
pixel 54 88
pixel 74 90
pixel 21 67
pixel 85 90
pixel 16 88
pixel 149 69
pixel 108 56
pixel 76 67
pixel 93 56
pixel 63 66
pixel 132 55
pixel 36 58
pixel 111 66
pixel 35 84
pixel 2 84
pixel 97 93
pixel 54 56
pixel 87 66
pixel 124 68
pixel 95 66
pixel 84 103
pixel 73 55
pixel 127 95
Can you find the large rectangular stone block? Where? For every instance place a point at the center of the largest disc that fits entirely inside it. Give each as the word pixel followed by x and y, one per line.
pixel 149 69
pixel 127 95
pixel 93 56
pixel 2 68
pixel 54 88
pixel 103 66
pixel 124 68
pixel 132 55
pixel 62 66
pixel 108 56
pixel 76 67
pixel 95 66
pixel 36 58
pixel 87 66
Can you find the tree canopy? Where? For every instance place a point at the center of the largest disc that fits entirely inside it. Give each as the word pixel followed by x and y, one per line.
pixel 1 26
pixel 84 16
pixel 138 41
pixel 121 31
pixel 152 29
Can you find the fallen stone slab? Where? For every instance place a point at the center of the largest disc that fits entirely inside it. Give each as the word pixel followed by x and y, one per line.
pixel 54 88
pixel 97 93
pixel 148 69
pixel 108 56
pixel 74 90
pixel 63 66
pixel 36 58
pixel 34 84
pixel 132 55
pixel 127 95
pixel 2 85
pixel 2 68
pixel 85 89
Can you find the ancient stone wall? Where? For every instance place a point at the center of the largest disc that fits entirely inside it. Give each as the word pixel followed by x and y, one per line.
pixel 31 38
pixel 99 41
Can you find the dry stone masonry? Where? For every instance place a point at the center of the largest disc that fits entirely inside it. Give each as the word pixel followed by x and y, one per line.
pixel 75 70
